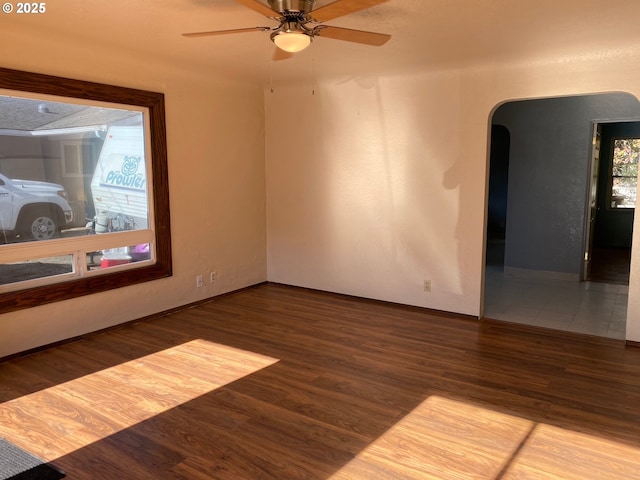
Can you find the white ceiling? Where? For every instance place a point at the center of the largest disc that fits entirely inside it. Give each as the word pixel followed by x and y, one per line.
pixel 426 34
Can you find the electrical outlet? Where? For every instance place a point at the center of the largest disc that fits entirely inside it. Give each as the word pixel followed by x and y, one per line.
pixel 212 277
pixel 427 285
pixel 199 281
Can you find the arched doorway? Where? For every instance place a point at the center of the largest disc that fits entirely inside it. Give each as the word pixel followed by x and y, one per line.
pixel 536 277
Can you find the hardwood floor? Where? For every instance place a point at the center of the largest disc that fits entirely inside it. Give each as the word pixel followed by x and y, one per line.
pixel 610 265
pixel 283 383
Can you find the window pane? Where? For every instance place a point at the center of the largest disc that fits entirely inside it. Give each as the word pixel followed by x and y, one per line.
pixel 71 159
pixel 35 269
pixel 64 163
pixel 113 257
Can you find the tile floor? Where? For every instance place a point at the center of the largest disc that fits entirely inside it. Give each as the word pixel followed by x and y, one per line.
pixel 584 307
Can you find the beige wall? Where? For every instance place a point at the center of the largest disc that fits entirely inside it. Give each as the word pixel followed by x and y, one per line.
pixel 215 136
pixel 382 181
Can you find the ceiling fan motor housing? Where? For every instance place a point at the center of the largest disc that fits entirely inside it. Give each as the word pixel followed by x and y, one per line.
pixel 293 6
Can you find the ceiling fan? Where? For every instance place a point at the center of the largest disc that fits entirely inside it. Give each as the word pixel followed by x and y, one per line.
pixel 300 23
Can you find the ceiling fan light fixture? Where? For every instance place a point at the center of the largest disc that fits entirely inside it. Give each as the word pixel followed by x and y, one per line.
pixel 291 41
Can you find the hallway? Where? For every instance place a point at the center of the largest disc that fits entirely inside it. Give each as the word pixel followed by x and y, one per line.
pixel 590 308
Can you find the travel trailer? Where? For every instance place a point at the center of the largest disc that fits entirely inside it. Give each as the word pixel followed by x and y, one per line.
pixel 119 191
pixel 119 184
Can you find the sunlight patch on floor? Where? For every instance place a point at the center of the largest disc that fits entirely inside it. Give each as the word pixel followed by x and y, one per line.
pixel 90 408
pixel 459 440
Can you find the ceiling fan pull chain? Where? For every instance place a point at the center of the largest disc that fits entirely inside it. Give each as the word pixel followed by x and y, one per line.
pixel 313 70
pixel 270 74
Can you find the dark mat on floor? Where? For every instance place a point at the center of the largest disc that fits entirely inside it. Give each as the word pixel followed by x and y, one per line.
pixel 16 464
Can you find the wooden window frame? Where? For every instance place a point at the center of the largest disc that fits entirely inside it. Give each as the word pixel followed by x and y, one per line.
pixel 37 83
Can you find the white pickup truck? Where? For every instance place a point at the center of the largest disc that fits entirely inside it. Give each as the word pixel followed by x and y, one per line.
pixel 31 209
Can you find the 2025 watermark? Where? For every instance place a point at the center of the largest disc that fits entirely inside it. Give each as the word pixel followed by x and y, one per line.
pixel 25 8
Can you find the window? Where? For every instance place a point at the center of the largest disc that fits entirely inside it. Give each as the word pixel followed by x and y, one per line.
pixel 78 158
pixel 624 173
pixel 84 203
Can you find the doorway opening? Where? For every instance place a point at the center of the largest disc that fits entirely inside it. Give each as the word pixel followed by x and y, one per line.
pixel 537 270
pixel 612 202
pixel 498 196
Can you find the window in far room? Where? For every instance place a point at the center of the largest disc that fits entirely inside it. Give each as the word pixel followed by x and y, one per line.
pixel 624 173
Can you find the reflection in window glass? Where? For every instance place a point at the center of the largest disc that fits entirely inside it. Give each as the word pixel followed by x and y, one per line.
pixel 624 173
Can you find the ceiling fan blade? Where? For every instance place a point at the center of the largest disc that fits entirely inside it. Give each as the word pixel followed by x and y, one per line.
pixel 280 54
pixel 357 36
pixel 225 32
pixel 259 7
pixel 340 8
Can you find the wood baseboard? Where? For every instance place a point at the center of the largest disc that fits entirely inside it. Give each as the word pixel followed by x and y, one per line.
pixel 120 325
